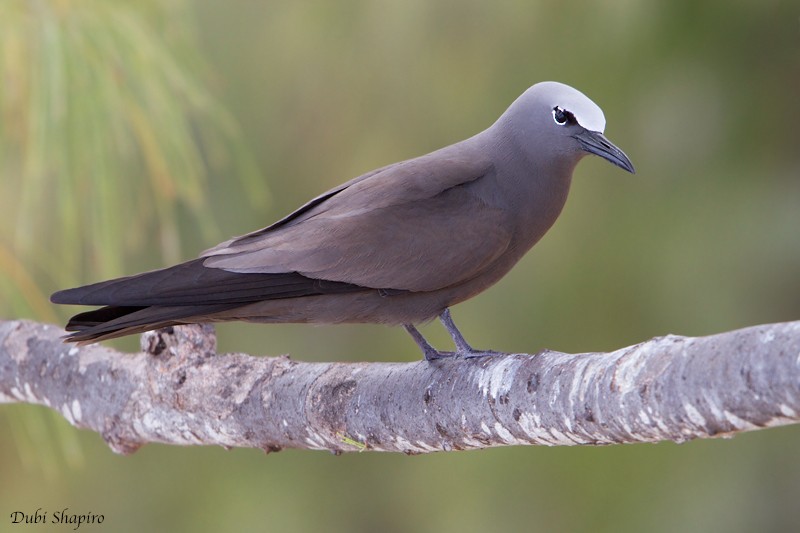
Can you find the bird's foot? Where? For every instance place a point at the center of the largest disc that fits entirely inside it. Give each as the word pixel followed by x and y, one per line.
pixel 472 353
pixel 463 349
pixel 433 354
pixel 430 353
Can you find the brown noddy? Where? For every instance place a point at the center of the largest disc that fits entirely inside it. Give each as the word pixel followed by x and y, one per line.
pixel 398 245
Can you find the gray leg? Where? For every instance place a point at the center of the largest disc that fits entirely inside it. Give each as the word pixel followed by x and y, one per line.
pixel 428 351
pixel 463 348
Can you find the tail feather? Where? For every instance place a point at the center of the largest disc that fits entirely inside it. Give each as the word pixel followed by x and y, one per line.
pixel 118 321
pixel 90 319
pixel 185 293
pixel 192 283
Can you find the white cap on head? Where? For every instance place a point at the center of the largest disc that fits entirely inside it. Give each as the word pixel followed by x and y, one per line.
pixel 587 113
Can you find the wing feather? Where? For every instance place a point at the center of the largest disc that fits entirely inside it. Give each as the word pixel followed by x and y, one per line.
pixel 418 225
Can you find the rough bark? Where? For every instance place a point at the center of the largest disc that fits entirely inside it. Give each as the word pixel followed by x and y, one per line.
pixel 179 391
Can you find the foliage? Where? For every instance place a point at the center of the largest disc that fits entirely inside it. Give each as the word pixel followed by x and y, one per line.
pixel 106 128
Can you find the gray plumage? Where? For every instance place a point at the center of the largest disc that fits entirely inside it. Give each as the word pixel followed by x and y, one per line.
pixel 398 245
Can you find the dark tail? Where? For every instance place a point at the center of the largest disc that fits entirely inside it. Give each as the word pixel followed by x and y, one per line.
pixel 184 294
pixel 118 321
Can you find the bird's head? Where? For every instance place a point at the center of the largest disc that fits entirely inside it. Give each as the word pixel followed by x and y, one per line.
pixel 554 120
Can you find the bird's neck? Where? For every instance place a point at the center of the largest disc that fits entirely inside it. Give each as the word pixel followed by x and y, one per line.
pixel 534 189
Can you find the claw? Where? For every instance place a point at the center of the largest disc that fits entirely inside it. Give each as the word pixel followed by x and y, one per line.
pixel 463 349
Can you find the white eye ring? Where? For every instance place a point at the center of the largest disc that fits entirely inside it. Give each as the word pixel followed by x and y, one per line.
pixel 560 116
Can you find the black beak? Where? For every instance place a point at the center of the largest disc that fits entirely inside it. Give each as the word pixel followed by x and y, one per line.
pixel 596 143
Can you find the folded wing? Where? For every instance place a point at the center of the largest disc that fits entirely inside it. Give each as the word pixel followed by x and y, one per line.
pixel 417 225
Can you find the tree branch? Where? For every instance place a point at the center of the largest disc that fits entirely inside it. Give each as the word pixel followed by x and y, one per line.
pixel 178 391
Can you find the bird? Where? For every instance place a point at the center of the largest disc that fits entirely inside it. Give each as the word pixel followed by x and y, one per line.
pixel 399 245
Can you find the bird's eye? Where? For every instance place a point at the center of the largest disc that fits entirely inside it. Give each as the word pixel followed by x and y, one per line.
pixel 561 116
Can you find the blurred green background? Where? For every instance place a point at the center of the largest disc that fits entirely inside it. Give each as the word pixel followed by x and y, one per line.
pixel 136 134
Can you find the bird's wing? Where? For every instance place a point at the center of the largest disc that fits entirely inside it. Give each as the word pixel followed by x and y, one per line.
pixel 193 284
pixel 418 225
